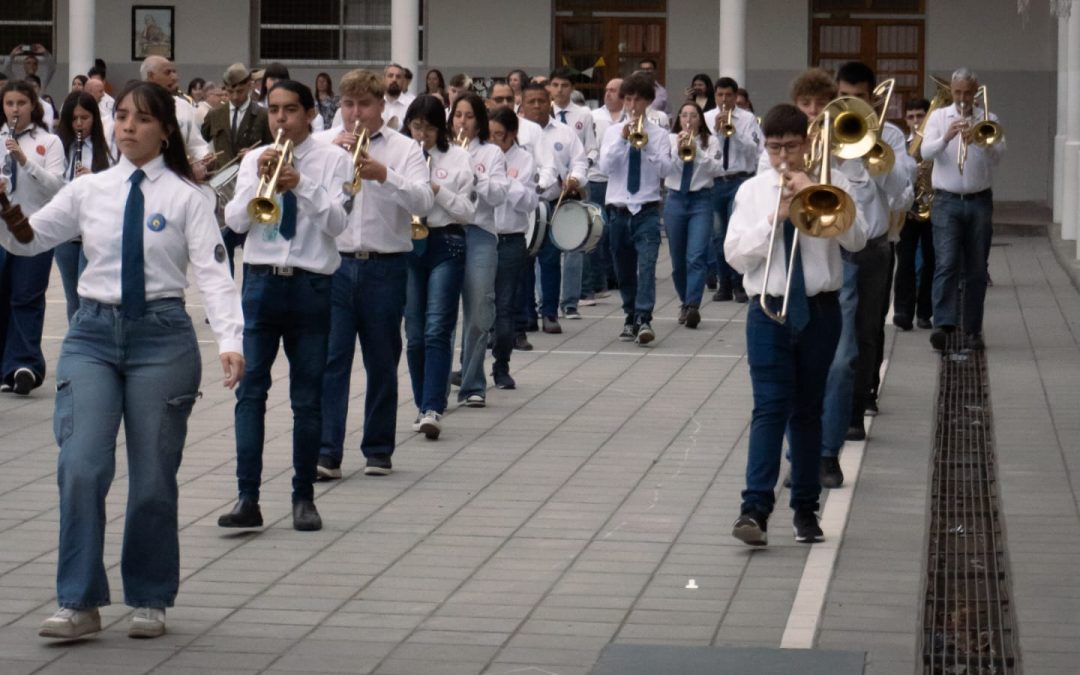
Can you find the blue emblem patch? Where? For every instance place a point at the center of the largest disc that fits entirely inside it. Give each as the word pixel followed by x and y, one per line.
pixel 155 223
pixel 558 147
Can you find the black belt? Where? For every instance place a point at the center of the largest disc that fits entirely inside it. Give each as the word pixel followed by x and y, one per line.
pixel 736 176
pixel 646 205
pixel 819 298
pixel 512 235
pixel 368 255
pixel 279 270
pixel 452 228
pixel 966 197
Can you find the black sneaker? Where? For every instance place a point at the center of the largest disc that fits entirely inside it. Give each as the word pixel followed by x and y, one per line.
pixel 939 338
pixel 807 530
pixel 645 334
pixel 629 332
pixel 857 431
pixel 711 282
pixel 522 344
pixel 902 321
pixel 693 317
pixel 305 517
pixel 455 378
pixel 830 474
pixel 378 465
pixel 722 295
pixel 245 513
pixel 751 528
pixel 23 382
pixel 503 381
pixel 327 469
pixel 740 295
pixel 925 324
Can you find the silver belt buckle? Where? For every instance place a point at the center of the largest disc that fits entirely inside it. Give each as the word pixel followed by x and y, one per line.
pixel 282 271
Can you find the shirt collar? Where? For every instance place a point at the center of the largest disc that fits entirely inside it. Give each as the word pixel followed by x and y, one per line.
pixel 242 109
pixel 153 169
pixel 302 149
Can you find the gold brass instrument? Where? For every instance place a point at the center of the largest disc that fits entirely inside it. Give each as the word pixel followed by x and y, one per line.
pixel 461 139
pixel 924 189
pixel 881 158
pixel 419 229
pixel 724 126
pixel 264 208
pixel 851 129
pixel 359 151
pixel 687 147
pixel 962 144
pixel 638 137
pixel 987 132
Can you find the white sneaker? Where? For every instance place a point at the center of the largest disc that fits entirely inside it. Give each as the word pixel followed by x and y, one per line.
pixel 430 425
pixel 147 622
pixel 416 422
pixel 475 401
pixel 71 623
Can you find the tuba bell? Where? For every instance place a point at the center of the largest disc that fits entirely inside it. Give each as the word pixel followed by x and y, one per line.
pixel 264 208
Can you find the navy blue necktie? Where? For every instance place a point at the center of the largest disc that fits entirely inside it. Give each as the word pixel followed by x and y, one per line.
pixel 727 147
pixel 562 116
pixel 798 310
pixel 633 178
pixel 288 215
pixel 687 176
pixel 132 272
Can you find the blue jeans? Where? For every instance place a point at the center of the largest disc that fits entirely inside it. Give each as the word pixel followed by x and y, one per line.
pixel 723 194
pixel 23 282
pixel 71 262
pixel 787 375
pixel 435 280
pixel 963 230
pixel 599 268
pixel 145 372
pixel 836 413
pixel 689 222
pixel 294 310
pixel 478 307
pixel 512 261
pixel 635 243
pixel 572 272
pixel 367 301
pixel 550 259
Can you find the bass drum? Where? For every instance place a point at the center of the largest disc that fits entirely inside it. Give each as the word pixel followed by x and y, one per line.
pixel 577 226
pixel 538 226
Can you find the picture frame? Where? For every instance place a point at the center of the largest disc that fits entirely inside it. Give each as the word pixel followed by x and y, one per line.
pixel 153 31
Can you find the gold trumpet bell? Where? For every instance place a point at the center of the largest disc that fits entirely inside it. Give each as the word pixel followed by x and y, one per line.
pixel 263 210
pixel 987 133
pixel 880 159
pixel 822 211
pixel 853 124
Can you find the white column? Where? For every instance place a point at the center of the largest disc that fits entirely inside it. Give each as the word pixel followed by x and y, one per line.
pixel 80 37
pixel 1062 118
pixel 733 40
pixel 405 35
pixel 1070 214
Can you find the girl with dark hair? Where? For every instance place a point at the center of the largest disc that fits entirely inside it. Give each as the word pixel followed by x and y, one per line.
pixel 31 172
pixel 470 122
pixel 701 92
pixel 78 82
pixel 437 266
pixel 274 73
pixel 435 83
pixel 688 208
pixel 325 99
pixel 131 356
pixel 83 137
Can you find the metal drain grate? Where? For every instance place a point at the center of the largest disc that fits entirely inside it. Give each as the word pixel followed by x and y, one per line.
pixel 968 624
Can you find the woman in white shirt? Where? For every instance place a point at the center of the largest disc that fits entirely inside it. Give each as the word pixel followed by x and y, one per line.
pixel 131 355
pixel 83 136
pixel 688 215
pixel 490 184
pixel 437 265
pixel 31 169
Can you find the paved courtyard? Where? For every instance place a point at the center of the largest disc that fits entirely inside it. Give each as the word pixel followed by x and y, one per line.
pixel 590 506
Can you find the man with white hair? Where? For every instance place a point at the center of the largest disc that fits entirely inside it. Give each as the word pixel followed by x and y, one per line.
pixel 160 70
pixel 962 212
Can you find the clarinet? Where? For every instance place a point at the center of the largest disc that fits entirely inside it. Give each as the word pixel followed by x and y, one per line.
pixel 76 157
pixel 8 170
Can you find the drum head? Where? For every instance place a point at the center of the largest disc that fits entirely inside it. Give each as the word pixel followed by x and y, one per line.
pixel 570 226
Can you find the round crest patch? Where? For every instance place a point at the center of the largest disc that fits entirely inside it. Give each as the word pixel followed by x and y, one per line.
pixel 219 253
pixel 579 126
pixel 41 150
pixel 558 147
pixel 480 168
pixel 155 223
pixel 440 173
pixel 512 172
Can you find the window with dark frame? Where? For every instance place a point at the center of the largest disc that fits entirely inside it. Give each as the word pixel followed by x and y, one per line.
pixel 330 32
pixel 873 6
pixel 26 22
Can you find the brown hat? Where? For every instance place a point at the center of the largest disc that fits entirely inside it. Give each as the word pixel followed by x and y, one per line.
pixel 236 74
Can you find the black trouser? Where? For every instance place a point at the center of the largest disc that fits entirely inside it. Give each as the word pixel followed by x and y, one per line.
pixel 914 298
pixel 873 280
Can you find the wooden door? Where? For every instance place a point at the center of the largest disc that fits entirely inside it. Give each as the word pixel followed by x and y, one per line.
pixel 599 48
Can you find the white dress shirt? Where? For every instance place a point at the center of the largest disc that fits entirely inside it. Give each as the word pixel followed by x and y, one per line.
pixel 320 210
pixel 452 172
pixel 93 208
pixel 106 105
pixel 601 121
pixel 381 214
pixel 706 164
pixel 512 215
pixel 580 119
pixel 395 108
pixel 897 184
pixel 194 143
pixel 978 171
pixel 43 174
pixel 747 144
pixel 530 137
pixel 490 182
pixel 656 164
pixel 747 242
pixel 568 157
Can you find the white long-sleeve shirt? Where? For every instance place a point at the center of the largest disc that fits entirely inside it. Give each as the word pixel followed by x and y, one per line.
pixel 706 164
pixel 490 182
pixel 180 230
pixel 320 210
pixel 656 164
pixel 43 174
pixel 746 145
pixel 580 120
pixel 747 242
pixel 512 215
pixel 194 143
pixel 978 170
pixel 568 157
pixel 601 121
pixel 454 202
pixel 531 138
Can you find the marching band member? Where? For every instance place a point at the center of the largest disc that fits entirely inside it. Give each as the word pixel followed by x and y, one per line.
pixel 131 355
pixel 789 361
pixel 31 172
pixel 633 205
pixel 601 268
pixel 83 139
pixel 688 210
pixel 741 146
pixel 512 222
pixel 913 299
pixel 160 70
pixel 962 212
pixel 530 136
pixel 368 290
pixel 288 265
pixel 436 269
pixel 397 98
pixel 490 185
pixel 571 165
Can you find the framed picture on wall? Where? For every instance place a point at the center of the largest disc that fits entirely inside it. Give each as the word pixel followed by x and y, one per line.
pixel 152 32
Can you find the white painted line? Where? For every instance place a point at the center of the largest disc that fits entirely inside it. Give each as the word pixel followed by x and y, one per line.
pixel 805 617
pixel 637 354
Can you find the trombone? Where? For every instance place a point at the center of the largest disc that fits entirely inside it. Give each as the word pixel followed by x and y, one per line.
pixel 264 207
pixel 881 158
pixel 724 125
pixel 360 150
pixel 984 133
pixel 638 137
pixel 821 210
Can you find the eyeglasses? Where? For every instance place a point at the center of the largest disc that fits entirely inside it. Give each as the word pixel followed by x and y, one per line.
pixel 775 148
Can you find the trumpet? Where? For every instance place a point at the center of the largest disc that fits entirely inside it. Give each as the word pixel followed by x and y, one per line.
pixel 360 150
pixel 638 137
pixel 687 147
pixel 724 126
pixel 461 139
pixel 419 227
pixel 264 208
